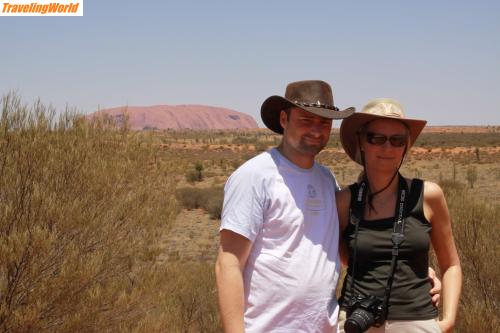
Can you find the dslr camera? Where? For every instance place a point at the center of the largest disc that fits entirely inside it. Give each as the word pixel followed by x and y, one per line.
pixel 364 312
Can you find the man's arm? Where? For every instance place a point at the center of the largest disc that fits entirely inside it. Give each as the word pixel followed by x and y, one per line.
pixel 233 254
pixel 343 199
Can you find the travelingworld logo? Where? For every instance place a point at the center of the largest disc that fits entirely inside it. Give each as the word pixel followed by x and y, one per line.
pixel 41 8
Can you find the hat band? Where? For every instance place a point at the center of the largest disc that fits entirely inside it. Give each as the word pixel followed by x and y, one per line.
pixel 392 115
pixel 317 105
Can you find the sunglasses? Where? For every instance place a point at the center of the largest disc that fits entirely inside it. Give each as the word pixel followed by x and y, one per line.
pixel 397 140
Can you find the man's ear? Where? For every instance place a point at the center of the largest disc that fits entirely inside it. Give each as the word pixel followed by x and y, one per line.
pixel 283 119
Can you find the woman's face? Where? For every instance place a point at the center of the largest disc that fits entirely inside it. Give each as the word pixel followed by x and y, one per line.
pixel 383 143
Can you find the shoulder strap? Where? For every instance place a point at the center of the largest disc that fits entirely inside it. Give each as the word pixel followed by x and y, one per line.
pixel 356 207
pixel 354 190
pixel 397 237
pixel 415 201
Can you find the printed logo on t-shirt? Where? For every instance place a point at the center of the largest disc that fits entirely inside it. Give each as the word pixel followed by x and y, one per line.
pixel 311 191
pixel 313 203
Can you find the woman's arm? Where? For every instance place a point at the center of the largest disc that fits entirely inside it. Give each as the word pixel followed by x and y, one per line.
pixel 343 199
pixel 436 212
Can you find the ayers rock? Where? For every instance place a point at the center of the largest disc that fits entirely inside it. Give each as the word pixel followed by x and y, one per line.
pixel 178 117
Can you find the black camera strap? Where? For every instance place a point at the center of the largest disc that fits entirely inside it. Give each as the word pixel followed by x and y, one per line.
pixel 397 236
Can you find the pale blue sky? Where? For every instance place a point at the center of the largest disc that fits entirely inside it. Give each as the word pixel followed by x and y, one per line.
pixel 440 59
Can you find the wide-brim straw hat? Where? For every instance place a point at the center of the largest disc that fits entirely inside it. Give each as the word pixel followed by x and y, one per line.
pixel 314 96
pixel 380 108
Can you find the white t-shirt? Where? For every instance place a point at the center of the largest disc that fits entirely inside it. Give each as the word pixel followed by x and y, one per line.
pixel 290 215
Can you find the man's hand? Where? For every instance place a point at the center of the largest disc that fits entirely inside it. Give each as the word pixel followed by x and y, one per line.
pixel 436 287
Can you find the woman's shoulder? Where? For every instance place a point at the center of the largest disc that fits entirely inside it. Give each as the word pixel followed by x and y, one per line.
pixel 434 200
pixel 432 191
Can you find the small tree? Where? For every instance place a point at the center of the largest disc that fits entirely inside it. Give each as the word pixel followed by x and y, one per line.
pixel 199 169
pixel 196 174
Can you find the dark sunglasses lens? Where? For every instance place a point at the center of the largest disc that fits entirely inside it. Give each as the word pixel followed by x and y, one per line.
pixel 380 139
pixel 376 139
pixel 398 140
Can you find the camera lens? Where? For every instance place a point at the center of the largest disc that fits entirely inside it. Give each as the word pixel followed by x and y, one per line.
pixel 351 326
pixel 359 321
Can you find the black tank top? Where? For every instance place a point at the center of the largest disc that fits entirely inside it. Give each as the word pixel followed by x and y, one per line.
pixel 410 298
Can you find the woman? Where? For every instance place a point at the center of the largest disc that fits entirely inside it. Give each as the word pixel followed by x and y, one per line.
pixel 387 222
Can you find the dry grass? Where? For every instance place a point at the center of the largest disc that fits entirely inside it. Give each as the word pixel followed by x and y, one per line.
pixel 476 223
pixel 193 237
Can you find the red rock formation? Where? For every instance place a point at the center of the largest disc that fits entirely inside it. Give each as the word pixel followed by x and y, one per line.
pixel 179 117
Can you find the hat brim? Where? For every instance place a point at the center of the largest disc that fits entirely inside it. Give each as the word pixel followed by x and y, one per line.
pixel 350 127
pixel 272 106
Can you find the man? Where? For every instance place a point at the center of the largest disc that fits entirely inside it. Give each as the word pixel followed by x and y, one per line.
pixel 278 263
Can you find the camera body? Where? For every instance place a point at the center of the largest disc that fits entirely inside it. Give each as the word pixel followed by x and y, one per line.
pixel 364 312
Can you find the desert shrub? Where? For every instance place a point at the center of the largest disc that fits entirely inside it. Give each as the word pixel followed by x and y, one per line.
pixel 188 301
pixel 261 146
pixel 475 225
pixel 496 173
pixel 214 201
pixel 198 166
pixel 190 197
pixel 236 163
pixel 210 199
pixel 210 174
pixel 449 140
pixel 195 174
pixel 80 210
pixel 192 176
pixel 244 139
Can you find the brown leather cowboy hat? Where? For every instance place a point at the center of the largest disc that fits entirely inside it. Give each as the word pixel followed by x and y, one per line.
pixel 380 108
pixel 314 96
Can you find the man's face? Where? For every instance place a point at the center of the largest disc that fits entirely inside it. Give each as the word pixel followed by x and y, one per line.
pixel 305 132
